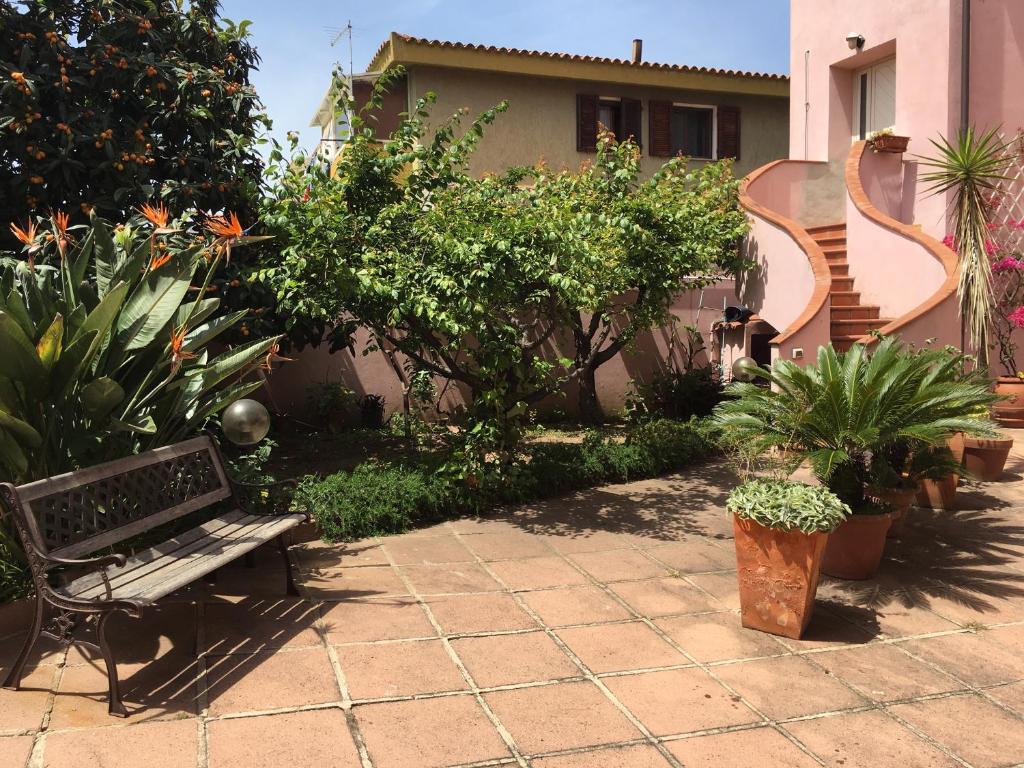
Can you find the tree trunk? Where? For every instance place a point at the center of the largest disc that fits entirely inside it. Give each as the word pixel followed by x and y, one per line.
pixel 589 405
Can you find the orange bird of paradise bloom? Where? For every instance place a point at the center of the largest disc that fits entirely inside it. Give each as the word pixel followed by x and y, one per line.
pixel 227 230
pixel 178 353
pixel 159 259
pixel 60 222
pixel 156 215
pixel 26 235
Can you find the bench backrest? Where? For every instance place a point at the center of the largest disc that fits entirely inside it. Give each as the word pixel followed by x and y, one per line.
pixel 81 512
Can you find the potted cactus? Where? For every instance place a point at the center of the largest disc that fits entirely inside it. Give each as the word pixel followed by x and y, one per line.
pixel 780 530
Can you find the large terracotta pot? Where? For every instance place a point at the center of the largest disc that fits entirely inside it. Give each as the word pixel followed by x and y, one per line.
pixel 984 458
pixel 941 493
pixel 854 549
pixel 778 576
pixel 900 500
pixel 1010 412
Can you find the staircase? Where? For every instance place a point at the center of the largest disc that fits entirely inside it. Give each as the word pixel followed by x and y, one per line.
pixel 851 320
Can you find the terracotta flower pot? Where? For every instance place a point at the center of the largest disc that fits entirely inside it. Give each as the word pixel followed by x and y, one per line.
pixel 984 458
pixel 1010 413
pixel 855 548
pixel 938 494
pixel 778 576
pixel 900 500
pixel 887 142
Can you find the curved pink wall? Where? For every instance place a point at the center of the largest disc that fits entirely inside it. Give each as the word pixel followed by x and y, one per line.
pixel 788 287
pixel 890 269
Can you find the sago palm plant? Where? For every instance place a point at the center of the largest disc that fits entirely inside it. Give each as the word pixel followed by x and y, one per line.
pixel 852 406
pixel 970 167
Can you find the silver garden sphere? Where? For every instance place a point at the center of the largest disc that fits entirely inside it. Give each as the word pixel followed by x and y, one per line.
pixel 745 369
pixel 245 422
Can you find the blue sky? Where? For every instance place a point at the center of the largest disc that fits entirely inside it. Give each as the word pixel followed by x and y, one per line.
pixel 294 40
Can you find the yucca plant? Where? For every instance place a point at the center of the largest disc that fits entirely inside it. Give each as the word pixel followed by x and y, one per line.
pixel 852 407
pixel 105 341
pixel 970 167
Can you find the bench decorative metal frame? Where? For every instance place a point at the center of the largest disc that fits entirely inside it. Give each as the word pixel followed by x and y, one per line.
pixel 63 520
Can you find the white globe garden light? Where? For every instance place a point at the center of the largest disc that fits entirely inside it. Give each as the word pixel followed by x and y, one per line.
pixel 245 422
pixel 745 369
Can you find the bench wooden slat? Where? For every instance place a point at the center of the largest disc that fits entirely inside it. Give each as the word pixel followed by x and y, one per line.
pixel 191 563
pixel 152 556
pixel 130 578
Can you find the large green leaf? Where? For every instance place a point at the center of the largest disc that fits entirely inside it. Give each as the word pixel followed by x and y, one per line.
pixel 15 306
pixel 231 362
pixel 20 361
pixel 204 334
pixel 105 255
pixel 151 306
pixel 25 432
pixel 100 397
pixel 70 366
pixel 12 456
pixel 51 343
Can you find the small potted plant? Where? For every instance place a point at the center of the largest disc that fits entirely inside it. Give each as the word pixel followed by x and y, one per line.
pixel 780 529
pixel 1007 321
pixel 887 141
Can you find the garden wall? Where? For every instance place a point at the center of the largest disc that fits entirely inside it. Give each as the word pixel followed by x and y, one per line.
pixel 372 374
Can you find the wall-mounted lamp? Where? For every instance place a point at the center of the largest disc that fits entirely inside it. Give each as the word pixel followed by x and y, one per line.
pixel 855 41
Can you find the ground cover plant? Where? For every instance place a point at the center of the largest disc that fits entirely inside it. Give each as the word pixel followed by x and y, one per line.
pixel 381 497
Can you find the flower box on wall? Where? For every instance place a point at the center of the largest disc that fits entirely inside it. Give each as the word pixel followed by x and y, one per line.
pixel 887 142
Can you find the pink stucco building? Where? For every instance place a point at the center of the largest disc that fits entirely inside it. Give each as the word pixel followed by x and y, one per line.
pixel 847 239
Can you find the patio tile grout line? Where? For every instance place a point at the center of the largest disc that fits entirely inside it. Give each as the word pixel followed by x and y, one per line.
pixel 503 732
pixel 707 670
pixel 649 737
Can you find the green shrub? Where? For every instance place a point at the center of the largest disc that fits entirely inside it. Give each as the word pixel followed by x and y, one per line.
pixel 788 506
pixel 379 498
pixel 374 499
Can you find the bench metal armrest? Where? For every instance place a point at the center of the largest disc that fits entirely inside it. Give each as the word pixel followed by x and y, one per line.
pixel 91 562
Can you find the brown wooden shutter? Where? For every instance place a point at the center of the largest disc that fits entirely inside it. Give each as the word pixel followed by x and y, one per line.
pixel 660 133
pixel 729 132
pixel 586 123
pixel 632 115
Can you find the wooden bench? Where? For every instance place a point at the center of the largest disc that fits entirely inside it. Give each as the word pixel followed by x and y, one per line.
pixel 63 520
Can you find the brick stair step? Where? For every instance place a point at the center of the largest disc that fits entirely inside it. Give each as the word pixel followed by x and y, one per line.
pixel 843 343
pixel 822 228
pixel 857 326
pixel 844 298
pixel 832 241
pixel 855 312
pixel 834 251
pixel 839 270
pixel 842 284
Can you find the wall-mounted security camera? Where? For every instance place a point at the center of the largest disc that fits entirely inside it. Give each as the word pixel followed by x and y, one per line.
pixel 855 41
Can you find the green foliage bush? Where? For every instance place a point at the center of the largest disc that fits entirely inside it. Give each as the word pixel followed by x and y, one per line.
pixel 379 498
pixel 788 506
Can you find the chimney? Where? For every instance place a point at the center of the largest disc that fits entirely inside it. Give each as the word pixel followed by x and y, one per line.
pixel 638 50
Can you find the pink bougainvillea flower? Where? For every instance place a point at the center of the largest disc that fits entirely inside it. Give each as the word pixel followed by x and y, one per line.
pixel 1007 263
pixel 1018 224
pixel 1017 317
pixel 949 242
pixel 992 225
pixel 991 246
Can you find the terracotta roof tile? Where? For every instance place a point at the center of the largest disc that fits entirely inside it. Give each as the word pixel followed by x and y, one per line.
pixel 576 57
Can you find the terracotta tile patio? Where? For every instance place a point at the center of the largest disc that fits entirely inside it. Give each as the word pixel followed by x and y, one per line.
pixel 596 631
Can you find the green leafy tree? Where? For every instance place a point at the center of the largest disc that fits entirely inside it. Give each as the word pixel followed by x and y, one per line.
pixel 479 280
pixel 108 103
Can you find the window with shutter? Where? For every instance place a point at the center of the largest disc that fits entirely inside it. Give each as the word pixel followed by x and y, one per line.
pixel 729 132
pixel 632 114
pixel 660 128
pixel 586 123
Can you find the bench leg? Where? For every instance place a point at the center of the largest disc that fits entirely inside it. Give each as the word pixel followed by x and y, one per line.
pixel 13 680
pixel 114 705
pixel 290 587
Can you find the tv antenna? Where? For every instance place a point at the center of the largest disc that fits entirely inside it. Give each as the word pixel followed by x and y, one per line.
pixel 345 31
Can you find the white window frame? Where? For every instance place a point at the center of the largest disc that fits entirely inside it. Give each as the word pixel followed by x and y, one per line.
pixel 714 126
pixel 856 122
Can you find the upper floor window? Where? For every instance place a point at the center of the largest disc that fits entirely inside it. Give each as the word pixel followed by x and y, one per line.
pixel 621 116
pixel 693 131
